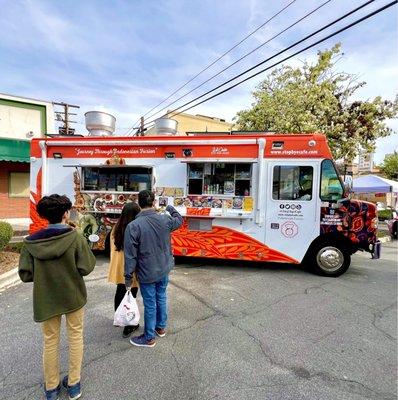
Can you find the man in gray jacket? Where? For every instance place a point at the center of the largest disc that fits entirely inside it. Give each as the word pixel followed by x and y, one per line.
pixel 147 251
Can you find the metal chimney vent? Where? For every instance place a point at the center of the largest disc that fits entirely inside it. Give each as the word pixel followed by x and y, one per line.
pixel 99 123
pixel 165 126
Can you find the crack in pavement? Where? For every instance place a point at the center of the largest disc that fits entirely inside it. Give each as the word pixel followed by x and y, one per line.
pixel 102 356
pixel 303 373
pixel 180 372
pixel 349 386
pixel 360 388
pixel 379 314
pixel 175 332
pixel 4 379
pixel 26 387
pixel 198 298
pixel 319 339
pixel 350 300
pixel 307 290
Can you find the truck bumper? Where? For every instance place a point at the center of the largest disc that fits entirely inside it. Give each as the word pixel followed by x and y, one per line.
pixel 375 250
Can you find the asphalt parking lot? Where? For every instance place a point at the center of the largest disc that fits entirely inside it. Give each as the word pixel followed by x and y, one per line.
pixel 236 331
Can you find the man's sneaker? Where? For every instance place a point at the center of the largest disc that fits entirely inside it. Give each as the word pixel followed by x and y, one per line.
pixel 128 330
pixel 74 391
pixel 141 341
pixel 53 394
pixel 160 332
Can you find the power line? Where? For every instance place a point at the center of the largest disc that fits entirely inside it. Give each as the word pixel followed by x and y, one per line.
pixel 296 53
pixel 272 57
pixel 215 61
pixel 244 56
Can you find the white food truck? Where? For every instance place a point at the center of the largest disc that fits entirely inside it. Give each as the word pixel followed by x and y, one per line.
pixel 263 197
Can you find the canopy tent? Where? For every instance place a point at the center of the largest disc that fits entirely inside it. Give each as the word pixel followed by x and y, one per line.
pixel 374 184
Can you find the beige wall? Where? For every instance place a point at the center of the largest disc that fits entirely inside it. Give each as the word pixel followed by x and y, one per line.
pixel 19 116
pixel 197 123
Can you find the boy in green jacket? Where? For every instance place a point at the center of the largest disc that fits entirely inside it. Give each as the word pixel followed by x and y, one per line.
pixel 55 259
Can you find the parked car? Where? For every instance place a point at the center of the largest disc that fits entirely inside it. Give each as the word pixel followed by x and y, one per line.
pixel 393 225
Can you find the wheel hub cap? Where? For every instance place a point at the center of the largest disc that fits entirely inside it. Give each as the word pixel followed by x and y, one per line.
pixel 330 258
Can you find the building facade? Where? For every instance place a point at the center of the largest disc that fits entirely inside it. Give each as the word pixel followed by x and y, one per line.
pixel 365 163
pixel 196 123
pixel 21 119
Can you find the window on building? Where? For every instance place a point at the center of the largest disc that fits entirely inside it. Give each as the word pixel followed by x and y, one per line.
pixel 18 184
pixel 292 182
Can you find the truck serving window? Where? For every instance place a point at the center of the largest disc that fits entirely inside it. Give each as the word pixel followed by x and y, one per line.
pixel 292 182
pixel 116 179
pixel 232 179
pixel 331 187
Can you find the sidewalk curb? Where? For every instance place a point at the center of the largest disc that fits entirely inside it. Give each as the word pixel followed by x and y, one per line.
pixel 9 279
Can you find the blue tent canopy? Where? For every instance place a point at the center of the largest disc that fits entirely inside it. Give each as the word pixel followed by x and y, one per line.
pixel 374 184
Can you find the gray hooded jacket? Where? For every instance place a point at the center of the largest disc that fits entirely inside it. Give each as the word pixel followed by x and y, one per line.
pixel 147 247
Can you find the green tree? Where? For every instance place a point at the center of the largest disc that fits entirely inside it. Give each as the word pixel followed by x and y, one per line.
pixel 316 98
pixel 390 165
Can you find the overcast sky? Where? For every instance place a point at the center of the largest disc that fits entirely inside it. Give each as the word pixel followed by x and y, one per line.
pixel 126 56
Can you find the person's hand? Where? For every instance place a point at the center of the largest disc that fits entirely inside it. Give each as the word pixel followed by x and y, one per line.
pixel 128 287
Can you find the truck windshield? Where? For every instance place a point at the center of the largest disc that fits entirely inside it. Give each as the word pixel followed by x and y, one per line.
pixel 331 187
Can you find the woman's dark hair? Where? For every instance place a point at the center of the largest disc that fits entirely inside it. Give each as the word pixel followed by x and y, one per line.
pixel 53 207
pixel 146 198
pixel 129 212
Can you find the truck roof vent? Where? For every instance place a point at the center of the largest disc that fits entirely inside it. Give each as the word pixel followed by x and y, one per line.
pixel 99 123
pixel 165 126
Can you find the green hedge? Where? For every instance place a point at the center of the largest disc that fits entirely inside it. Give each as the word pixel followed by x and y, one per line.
pixel 6 233
pixel 384 214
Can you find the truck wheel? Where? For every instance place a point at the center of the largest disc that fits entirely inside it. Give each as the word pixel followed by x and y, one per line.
pixel 329 259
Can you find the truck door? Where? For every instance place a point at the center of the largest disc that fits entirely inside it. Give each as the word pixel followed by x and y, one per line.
pixel 292 204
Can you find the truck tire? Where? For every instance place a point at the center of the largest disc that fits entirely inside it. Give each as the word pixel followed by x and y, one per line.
pixel 394 232
pixel 329 258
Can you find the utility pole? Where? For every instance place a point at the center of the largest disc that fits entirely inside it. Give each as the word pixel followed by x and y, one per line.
pixel 63 116
pixel 142 126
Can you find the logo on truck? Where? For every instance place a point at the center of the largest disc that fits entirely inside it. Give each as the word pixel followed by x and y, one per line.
pixel 289 229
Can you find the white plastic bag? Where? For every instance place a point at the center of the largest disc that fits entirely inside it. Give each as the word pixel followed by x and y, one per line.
pixel 127 313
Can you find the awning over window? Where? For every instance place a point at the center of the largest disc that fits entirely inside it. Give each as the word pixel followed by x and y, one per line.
pixel 14 150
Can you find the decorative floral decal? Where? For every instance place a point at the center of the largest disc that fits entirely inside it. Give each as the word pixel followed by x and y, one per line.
pixel 224 243
pixel 37 222
pixel 356 220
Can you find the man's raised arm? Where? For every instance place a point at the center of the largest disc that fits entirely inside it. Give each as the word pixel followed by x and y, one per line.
pixel 175 219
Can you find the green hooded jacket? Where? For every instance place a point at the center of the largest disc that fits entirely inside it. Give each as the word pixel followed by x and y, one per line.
pixel 56 260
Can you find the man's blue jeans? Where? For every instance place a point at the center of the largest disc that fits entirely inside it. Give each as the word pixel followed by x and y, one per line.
pixel 155 306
